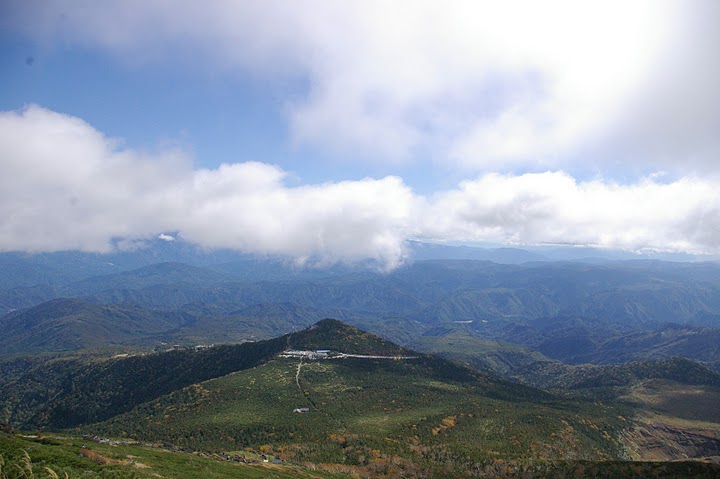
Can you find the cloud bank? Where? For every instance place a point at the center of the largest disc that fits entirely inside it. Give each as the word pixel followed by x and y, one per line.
pixel 482 85
pixel 65 186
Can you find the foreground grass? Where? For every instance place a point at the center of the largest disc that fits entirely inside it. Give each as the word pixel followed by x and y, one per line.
pixel 62 457
pixel 59 457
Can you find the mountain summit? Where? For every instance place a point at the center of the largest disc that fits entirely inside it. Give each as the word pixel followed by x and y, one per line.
pixel 338 336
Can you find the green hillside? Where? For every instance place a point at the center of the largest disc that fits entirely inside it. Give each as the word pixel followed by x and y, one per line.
pixel 410 414
pixel 70 391
pixel 66 392
pixel 558 376
pixel 413 415
pixel 461 345
pixel 396 413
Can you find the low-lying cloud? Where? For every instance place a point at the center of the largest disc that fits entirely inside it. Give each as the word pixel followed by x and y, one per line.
pixel 555 208
pixel 65 186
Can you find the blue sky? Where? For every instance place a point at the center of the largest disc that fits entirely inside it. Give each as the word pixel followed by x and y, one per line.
pixel 221 119
pixel 216 116
pixel 339 130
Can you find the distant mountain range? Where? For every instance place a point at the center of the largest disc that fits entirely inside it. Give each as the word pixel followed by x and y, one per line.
pixel 431 291
pixel 53 269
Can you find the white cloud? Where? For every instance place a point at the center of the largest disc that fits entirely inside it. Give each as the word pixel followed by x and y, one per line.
pixel 247 207
pixel 483 84
pixel 64 186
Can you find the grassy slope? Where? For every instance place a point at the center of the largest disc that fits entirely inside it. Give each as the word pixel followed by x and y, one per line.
pixel 691 402
pixel 674 401
pixel 674 420
pixel 85 459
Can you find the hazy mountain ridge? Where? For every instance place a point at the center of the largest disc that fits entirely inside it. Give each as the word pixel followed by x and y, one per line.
pixel 581 340
pixel 71 324
pixel 586 376
pixel 561 288
pixel 567 288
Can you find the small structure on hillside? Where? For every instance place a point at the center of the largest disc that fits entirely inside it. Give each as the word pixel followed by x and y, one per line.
pixel 301 410
pixel 328 354
pixel 311 355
